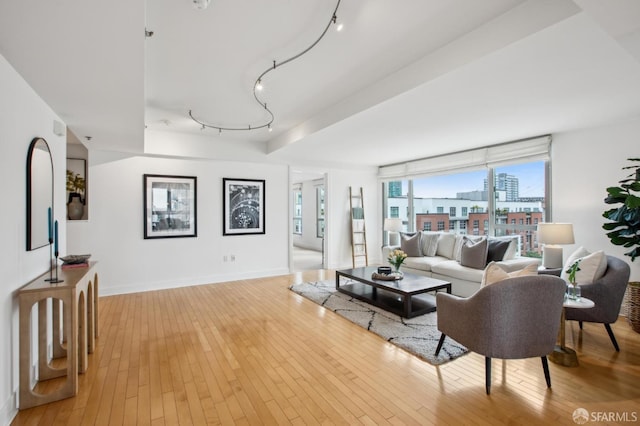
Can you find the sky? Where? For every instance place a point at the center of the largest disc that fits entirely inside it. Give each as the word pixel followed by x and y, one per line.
pixel 530 180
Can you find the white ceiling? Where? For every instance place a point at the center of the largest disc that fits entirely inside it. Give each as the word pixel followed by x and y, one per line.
pixel 404 79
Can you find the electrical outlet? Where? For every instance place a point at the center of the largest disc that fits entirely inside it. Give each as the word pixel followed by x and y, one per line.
pixel 233 257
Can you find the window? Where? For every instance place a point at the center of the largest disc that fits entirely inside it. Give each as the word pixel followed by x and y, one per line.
pixel 297 211
pixel 427 226
pixel 394 211
pixel 499 190
pixel 320 212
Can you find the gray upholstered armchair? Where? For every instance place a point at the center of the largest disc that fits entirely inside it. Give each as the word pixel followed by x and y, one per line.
pixel 607 294
pixel 511 319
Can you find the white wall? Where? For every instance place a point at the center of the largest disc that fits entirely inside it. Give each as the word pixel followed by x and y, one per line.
pixel 23 116
pixel 584 163
pixel 114 234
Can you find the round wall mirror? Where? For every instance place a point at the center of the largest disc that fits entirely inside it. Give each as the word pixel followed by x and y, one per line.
pixel 39 194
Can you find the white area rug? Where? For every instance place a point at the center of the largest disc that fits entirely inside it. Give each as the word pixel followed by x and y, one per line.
pixel 418 335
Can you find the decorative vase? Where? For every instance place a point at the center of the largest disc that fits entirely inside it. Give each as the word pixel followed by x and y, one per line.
pixel 397 272
pixel 75 208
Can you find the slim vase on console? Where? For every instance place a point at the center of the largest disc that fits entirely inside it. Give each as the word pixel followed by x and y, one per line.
pixel 56 253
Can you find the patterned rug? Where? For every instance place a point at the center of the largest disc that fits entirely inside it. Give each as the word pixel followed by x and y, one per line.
pixel 418 335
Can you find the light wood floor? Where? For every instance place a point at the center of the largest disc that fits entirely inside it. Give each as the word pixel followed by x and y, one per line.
pixel 253 352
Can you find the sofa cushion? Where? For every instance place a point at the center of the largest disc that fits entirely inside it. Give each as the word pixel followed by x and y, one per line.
pixel 494 273
pixel 474 253
pixel 446 243
pixel 497 249
pixel 592 266
pixel 423 263
pixel 453 269
pixel 430 243
pixel 410 244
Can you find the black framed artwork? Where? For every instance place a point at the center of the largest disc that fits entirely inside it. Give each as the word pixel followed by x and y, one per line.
pixel 243 206
pixel 170 206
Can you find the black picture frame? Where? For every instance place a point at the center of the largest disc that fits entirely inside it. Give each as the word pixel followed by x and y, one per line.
pixel 170 206
pixel 243 206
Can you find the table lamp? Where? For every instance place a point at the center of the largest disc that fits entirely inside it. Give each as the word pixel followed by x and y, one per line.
pixel 551 235
pixel 393 225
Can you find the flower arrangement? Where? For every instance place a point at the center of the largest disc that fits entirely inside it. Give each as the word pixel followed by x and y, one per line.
pixel 396 258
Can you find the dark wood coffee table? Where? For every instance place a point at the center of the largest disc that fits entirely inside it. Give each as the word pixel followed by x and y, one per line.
pixel 406 297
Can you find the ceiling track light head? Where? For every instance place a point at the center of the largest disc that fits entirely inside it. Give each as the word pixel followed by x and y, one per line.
pixel 201 4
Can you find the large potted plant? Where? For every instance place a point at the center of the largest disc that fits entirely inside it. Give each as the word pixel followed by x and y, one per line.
pixel 624 229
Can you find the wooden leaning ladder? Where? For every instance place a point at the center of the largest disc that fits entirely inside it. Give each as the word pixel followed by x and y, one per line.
pixel 358 229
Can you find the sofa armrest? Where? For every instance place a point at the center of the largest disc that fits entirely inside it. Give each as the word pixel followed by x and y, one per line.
pixel 518 263
pixel 386 250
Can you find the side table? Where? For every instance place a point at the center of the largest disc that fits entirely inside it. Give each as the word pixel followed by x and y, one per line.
pixel 561 353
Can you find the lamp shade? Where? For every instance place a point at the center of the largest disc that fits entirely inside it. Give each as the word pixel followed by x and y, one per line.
pixel 555 233
pixel 393 224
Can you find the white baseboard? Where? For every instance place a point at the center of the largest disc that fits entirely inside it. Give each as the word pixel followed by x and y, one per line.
pixel 9 409
pixel 105 290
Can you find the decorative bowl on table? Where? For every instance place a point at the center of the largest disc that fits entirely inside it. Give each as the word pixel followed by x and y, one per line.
pixel 74 259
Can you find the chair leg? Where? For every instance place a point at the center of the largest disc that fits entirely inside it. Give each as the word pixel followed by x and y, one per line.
pixel 612 337
pixel 545 367
pixel 440 342
pixel 580 324
pixel 487 372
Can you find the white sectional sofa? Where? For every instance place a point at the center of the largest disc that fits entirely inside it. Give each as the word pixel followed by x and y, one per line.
pixel 440 256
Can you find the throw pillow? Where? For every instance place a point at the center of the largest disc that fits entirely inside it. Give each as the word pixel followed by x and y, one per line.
pixel 446 241
pixel 592 266
pixel 430 243
pixel 494 273
pixel 496 250
pixel 460 239
pixel 512 250
pixel 410 244
pixel 474 253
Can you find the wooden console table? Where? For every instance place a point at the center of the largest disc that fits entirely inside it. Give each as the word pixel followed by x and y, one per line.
pixel 78 294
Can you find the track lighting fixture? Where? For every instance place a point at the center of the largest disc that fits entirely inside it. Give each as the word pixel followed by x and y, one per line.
pixel 257 86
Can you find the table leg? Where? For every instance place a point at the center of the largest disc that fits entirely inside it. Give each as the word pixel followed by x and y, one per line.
pixel 561 354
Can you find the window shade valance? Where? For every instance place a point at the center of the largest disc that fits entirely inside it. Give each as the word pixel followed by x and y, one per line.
pixel 534 149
